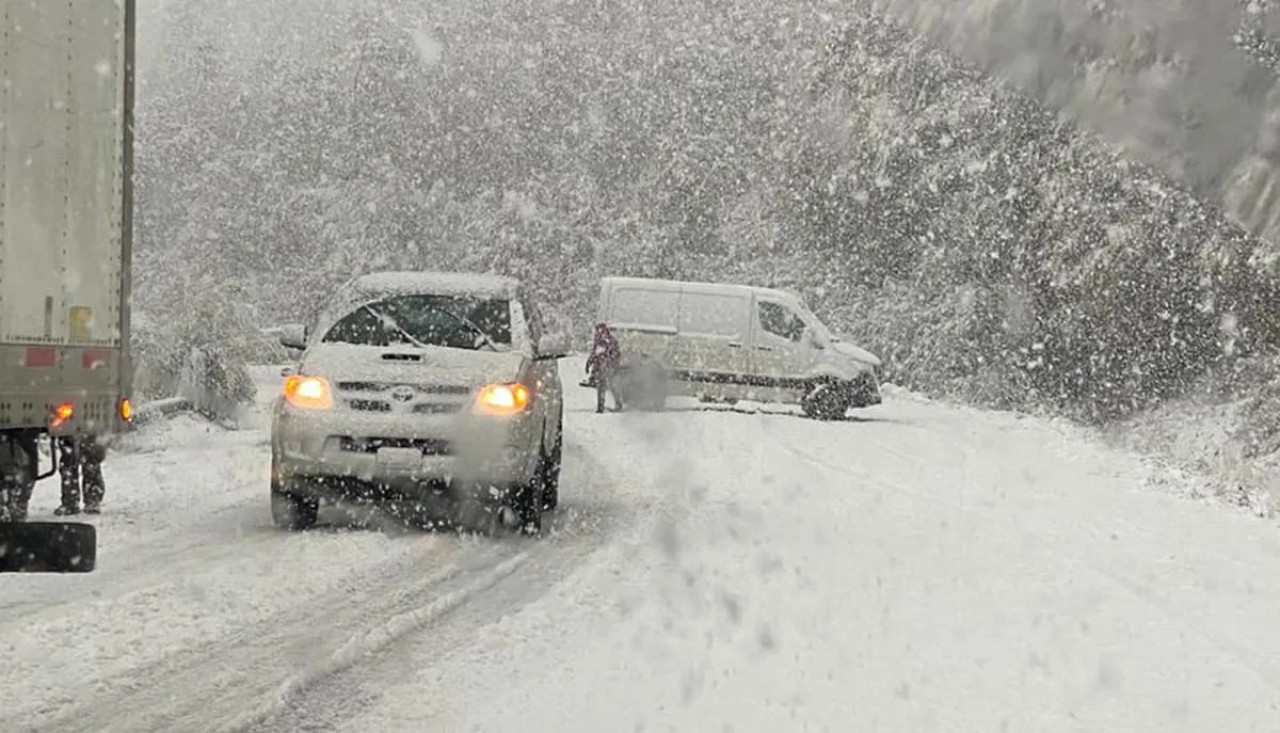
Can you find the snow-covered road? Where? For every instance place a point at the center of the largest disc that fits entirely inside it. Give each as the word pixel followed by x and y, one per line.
pixel 920 568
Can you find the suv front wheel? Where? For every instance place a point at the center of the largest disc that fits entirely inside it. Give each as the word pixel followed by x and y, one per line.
pixel 542 490
pixel 292 511
pixel 550 471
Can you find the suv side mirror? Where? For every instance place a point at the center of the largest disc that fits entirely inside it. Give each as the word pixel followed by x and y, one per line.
pixel 293 336
pixel 47 547
pixel 553 346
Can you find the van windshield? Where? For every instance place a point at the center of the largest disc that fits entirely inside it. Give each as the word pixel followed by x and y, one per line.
pixel 813 322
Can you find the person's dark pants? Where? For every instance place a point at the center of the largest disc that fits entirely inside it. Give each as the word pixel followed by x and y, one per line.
pixel 603 378
pixel 73 454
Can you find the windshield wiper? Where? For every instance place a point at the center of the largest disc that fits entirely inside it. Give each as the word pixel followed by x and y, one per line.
pixel 471 324
pixel 388 320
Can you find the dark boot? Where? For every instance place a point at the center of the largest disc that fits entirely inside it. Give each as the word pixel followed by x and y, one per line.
pixel 15 497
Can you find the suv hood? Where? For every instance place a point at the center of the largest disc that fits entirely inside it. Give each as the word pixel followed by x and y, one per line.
pixel 848 349
pixel 410 365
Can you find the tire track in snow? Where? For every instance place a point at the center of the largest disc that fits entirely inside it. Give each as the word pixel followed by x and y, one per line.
pixel 242 678
pixel 371 641
pixel 589 519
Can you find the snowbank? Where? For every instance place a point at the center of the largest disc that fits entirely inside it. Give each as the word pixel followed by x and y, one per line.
pixel 1227 430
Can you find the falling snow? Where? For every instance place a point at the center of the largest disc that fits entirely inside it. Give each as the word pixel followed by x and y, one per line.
pixel 1054 222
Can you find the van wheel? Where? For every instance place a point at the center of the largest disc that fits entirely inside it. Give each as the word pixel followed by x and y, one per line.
pixel 826 400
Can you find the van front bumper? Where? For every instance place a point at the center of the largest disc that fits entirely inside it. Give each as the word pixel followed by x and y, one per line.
pixel 866 391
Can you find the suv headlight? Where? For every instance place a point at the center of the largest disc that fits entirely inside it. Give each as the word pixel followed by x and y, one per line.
pixel 502 399
pixel 308 392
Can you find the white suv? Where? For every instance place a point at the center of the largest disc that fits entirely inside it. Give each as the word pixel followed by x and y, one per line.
pixel 435 393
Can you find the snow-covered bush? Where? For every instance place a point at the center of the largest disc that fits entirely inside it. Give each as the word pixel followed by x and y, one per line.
pixel 1259 432
pixel 196 344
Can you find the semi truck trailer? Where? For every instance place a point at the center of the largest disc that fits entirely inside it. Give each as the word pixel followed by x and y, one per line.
pixel 66 120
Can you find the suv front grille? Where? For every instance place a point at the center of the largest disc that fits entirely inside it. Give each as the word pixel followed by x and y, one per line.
pixel 432 389
pixel 428 446
pixel 418 399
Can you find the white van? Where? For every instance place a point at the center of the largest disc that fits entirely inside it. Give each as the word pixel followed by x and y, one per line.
pixel 729 342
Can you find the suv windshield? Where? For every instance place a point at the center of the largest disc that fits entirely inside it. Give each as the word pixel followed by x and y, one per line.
pixel 427 320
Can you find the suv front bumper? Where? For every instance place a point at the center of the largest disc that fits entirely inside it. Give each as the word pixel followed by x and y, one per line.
pixel 409 455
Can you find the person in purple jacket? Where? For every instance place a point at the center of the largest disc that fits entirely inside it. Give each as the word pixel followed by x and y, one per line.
pixel 603 364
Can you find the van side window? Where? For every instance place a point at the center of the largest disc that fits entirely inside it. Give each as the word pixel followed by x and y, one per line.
pixel 778 320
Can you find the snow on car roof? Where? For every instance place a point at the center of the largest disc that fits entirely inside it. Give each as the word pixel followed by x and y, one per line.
pixel 436 283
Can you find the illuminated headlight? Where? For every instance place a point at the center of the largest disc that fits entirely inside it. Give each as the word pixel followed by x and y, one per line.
pixel 308 392
pixel 502 399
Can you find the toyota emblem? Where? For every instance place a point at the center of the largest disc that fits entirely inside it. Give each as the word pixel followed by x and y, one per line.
pixel 402 394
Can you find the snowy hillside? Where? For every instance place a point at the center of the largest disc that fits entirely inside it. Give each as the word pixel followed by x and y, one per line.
pixel 991 252
pixel 1187 85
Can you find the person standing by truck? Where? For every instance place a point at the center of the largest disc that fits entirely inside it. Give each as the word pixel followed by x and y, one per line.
pixel 80 459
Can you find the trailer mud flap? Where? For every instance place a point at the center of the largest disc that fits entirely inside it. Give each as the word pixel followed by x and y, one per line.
pixel 47 547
